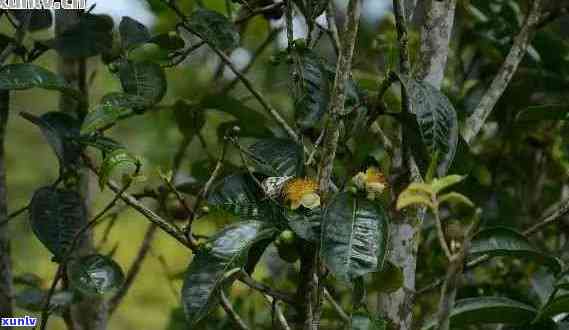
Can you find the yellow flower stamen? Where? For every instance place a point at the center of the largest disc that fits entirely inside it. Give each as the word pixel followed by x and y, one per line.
pixel 303 192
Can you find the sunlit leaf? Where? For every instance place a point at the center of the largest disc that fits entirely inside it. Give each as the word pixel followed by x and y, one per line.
pixel 412 198
pixel 56 216
pixel 455 198
pixel 439 184
pixel 225 251
pixel 354 236
pixel 100 142
pixel 500 241
pixel 488 310
pixel 118 160
pixel 95 275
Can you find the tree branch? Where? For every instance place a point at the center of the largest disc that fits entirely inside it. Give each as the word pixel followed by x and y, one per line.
pixel 231 312
pixel 477 119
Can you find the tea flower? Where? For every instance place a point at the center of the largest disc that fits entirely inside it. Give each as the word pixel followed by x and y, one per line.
pixel 302 192
pixel 372 181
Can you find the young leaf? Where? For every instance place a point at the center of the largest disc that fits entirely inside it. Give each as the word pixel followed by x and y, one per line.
pixel 214 28
pixel 119 159
pixel 133 33
pixel 225 251
pixel 144 79
pixel 90 36
pixel 488 310
pixel 25 76
pixel 440 184
pixel 455 198
pixel 56 216
pixel 354 236
pixel 95 275
pixel 500 241
pixel 436 118
pixel 277 157
pixel 60 130
pixel 414 198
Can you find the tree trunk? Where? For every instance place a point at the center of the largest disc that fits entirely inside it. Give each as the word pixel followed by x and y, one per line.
pixel 5 263
pixel 89 313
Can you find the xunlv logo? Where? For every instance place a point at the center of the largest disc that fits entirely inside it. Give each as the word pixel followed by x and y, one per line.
pixel 42 4
pixel 25 321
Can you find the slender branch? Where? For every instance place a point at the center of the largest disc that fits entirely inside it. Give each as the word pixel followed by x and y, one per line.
pixel 280 315
pixel 258 11
pixel 134 269
pixel 339 310
pixel 274 113
pixel 441 235
pixel 170 229
pixel 561 210
pixel 276 294
pixel 475 122
pixel 332 27
pixel 14 215
pixel 231 312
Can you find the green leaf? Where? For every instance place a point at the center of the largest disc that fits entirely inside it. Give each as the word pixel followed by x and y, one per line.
pixel 556 306
pixel 214 28
pixel 90 36
pixel 362 320
pixel 354 236
pixel 500 241
pixel 440 184
pixel 95 275
pixel 238 195
pixel 311 88
pixel 113 107
pixel 437 120
pixel 56 216
pixel 488 310
pixel 544 112
pixel 118 160
pixel 304 222
pixel 133 33
pixel 225 251
pixel 455 198
pixel 414 198
pixel 277 157
pixel 103 143
pixel 60 130
pixel 25 76
pixel 144 79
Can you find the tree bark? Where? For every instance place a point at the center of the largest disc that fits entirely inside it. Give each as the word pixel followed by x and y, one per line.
pixel 435 39
pixel 89 313
pixel 5 262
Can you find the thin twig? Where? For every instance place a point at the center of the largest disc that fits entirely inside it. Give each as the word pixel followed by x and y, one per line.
pixel 339 310
pixel 280 315
pixel 279 295
pixel 168 228
pixel 14 215
pixel 231 312
pixel 475 122
pixel 441 235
